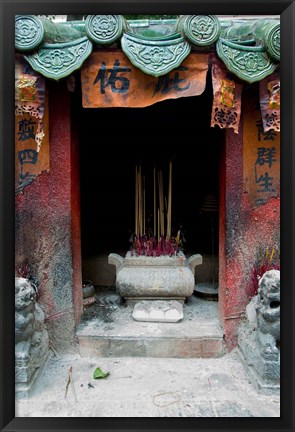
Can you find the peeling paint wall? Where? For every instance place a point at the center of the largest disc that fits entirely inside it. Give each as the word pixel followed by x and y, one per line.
pixel 243 232
pixel 48 226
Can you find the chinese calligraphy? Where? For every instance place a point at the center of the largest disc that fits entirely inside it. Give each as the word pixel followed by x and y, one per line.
pixel 265 156
pixel 265 136
pixel 109 77
pixel 27 156
pixel 165 83
pixel 26 129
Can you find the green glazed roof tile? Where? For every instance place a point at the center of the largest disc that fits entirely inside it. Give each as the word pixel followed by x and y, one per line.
pixel 104 29
pixel 250 49
pixel 155 57
pixel 60 60
pixel 201 30
pixel 29 32
pixel 248 63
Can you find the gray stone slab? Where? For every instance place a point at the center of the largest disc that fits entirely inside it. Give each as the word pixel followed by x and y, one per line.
pixel 200 320
pixel 158 311
pixel 150 347
pixel 109 330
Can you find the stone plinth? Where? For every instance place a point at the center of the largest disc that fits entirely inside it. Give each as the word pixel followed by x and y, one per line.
pixel 259 335
pixel 263 372
pixel 31 338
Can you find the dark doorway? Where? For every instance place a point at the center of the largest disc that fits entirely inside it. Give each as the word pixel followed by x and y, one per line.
pixel 113 141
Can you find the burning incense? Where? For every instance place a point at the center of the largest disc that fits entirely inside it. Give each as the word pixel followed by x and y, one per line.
pixel 169 201
pixel 140 201
pixel 155 198
pixel 158 224
pixel 136 202
pixel 162 205
pixel 143 193
pixel 160 201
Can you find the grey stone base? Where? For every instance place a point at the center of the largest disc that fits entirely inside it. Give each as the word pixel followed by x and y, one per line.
pixel 264 373
pixel 158 311
pixel 158 347
pixel 29 360
pixel 131 301
pixel 23 389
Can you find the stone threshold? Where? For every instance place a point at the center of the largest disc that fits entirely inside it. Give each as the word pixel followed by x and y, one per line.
pixel 107 329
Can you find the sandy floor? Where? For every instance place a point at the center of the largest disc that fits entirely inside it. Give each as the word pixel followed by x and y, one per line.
pixel 147 387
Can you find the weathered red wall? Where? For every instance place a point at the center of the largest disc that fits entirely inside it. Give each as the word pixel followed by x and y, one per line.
pixel 76 218
pixel 48 225
pixel 243 231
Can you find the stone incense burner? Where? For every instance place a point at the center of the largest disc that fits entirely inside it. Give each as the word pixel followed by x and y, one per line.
pixel 155 278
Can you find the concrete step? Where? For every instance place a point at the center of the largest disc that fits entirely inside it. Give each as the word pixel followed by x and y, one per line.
pixel 108 330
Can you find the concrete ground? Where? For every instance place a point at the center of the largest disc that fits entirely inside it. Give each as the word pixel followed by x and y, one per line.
pixel 147 387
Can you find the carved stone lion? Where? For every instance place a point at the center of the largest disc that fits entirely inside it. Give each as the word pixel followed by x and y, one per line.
pixel 268 314
pixel 31 337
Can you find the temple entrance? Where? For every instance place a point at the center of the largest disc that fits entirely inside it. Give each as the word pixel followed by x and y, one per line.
pixel 112 142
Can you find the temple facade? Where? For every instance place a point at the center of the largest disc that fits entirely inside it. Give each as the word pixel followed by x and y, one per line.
pixel 95 96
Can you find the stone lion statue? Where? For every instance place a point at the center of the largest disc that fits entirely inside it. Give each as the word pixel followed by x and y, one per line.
pixel 268 314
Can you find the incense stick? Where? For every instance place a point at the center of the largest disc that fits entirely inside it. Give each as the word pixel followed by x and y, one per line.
pixel 143 185
pixel 169 201
pixel 136 202
pixel 155 198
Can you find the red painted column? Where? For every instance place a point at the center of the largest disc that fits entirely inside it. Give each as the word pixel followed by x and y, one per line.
pixel 48 226
pixel 242 232
pixel 76 220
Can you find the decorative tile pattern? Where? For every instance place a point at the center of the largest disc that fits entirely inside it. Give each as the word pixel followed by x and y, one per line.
pixel 29 32
pixel 59 60
pixel 201 30
pixel 155 57
pixel 104 29
pixel 248 63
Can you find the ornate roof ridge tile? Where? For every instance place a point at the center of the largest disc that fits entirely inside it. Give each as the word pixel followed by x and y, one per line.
pixel 57 61
pixel 201 30
pixel 104 29
pixel 250 50
pixel 31 32
pixel 250 63
pixel 155 57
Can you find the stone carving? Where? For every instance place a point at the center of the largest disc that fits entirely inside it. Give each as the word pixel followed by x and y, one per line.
pixel 31 337
pixel 268 314
pixel 29 33
pixel 158 278
pixel 104 29
pixel 249 63
pixel 155 57
pixel 201 30
pixel 158 311
pixel 59 60
pixel 259 336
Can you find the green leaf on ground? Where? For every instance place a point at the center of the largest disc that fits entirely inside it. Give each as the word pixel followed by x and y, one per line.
pixel 98 373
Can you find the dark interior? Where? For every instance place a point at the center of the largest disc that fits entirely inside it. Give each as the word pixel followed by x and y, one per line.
pixel 114 140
